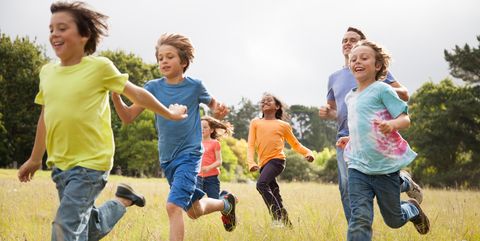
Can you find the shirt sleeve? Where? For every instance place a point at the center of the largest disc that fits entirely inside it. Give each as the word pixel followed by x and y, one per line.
pixel 389 78
pixel 392 102
pixel 330 93
pixel 203 95
pixel 39 97
pixel 251 145
pixel 293 141
pixel 112 78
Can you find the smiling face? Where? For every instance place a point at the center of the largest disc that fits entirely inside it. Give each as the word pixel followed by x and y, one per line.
pixel 348 41
pixel 363 64
pixel 268 104
pixel 169 61
pixel 65 38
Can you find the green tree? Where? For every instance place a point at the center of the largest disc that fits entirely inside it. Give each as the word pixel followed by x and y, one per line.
pixel 3 138
pixel 312 131
pixel 136 146
pixel 465 63
pixel 229 162
pixel 241 116
pixel 20 63
pixel 298 169
pixel 445 131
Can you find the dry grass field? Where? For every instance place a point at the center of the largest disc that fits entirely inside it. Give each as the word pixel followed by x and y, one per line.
pixel 27 210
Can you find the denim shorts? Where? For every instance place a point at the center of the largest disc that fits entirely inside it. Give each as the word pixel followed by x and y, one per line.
pixel 181 174
pixel 210 185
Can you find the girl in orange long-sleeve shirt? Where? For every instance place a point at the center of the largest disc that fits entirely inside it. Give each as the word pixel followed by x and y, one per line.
pixel 267 136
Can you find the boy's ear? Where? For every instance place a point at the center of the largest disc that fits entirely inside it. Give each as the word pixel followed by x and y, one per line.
pixel 378 65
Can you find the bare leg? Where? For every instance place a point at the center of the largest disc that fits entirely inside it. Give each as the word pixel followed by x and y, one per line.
pixel 205 206
pixel 175 216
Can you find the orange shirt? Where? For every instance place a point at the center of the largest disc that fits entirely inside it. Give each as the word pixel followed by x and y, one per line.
pixel 210 147
pixel 268 137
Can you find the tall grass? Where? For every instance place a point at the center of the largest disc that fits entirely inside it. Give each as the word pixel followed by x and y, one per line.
pixel 27 210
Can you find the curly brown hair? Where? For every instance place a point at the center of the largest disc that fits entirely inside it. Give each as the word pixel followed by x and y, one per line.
pixel 220 128
pixel 90 23
pixel 381 56
pixel 181 43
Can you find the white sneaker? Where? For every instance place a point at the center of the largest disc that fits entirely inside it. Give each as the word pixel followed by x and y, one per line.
pixel 277 224
pixel 415 191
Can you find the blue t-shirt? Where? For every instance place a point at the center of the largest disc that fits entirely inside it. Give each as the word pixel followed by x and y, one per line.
pixel 369 150
pixel 178 138
pixel 339 84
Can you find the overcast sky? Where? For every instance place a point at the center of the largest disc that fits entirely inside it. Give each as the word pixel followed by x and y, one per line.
pixel 286 47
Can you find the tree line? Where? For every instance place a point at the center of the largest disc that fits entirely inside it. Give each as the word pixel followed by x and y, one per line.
pixel 445 129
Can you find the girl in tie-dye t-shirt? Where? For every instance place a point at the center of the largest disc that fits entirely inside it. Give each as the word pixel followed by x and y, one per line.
pixel 375 151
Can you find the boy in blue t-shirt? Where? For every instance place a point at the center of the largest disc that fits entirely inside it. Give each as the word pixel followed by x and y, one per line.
pixel 374 150
pixel 180 143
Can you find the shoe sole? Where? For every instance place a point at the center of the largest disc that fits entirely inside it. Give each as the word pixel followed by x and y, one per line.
pixel 421 213
pixel 140 201
pixel 231 216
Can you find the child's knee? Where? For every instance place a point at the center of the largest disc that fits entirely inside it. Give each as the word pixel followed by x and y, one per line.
pixel 173 209
pixel 195 211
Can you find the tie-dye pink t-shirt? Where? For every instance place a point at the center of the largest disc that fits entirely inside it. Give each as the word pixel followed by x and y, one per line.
pixel 369 150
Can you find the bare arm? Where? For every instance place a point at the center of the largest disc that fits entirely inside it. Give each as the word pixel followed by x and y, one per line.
pixel 143 99
pixel 401 90
pixel 34 162
pixel 328 111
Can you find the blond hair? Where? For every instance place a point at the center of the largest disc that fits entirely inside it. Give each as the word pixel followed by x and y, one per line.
pixel 181 43
pixel 381 56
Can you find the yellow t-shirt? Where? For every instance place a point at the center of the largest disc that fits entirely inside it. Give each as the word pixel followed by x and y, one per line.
pixel 268 137
pixel 77 112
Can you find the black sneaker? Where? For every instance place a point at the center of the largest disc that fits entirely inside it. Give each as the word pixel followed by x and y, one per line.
pixel 125 191
pixel 229 219
pixel 421 222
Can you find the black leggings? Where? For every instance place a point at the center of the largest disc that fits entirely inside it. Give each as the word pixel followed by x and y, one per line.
pixel 268 187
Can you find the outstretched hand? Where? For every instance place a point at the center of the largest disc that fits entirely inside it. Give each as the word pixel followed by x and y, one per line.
pixel 220 111
pixel 178 112
pixel 28 169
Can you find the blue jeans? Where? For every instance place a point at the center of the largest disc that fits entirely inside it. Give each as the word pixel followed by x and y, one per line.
pixel 362 189
pixel 343 183
pixel 210 185
pixel 77 218
pixel 181 174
